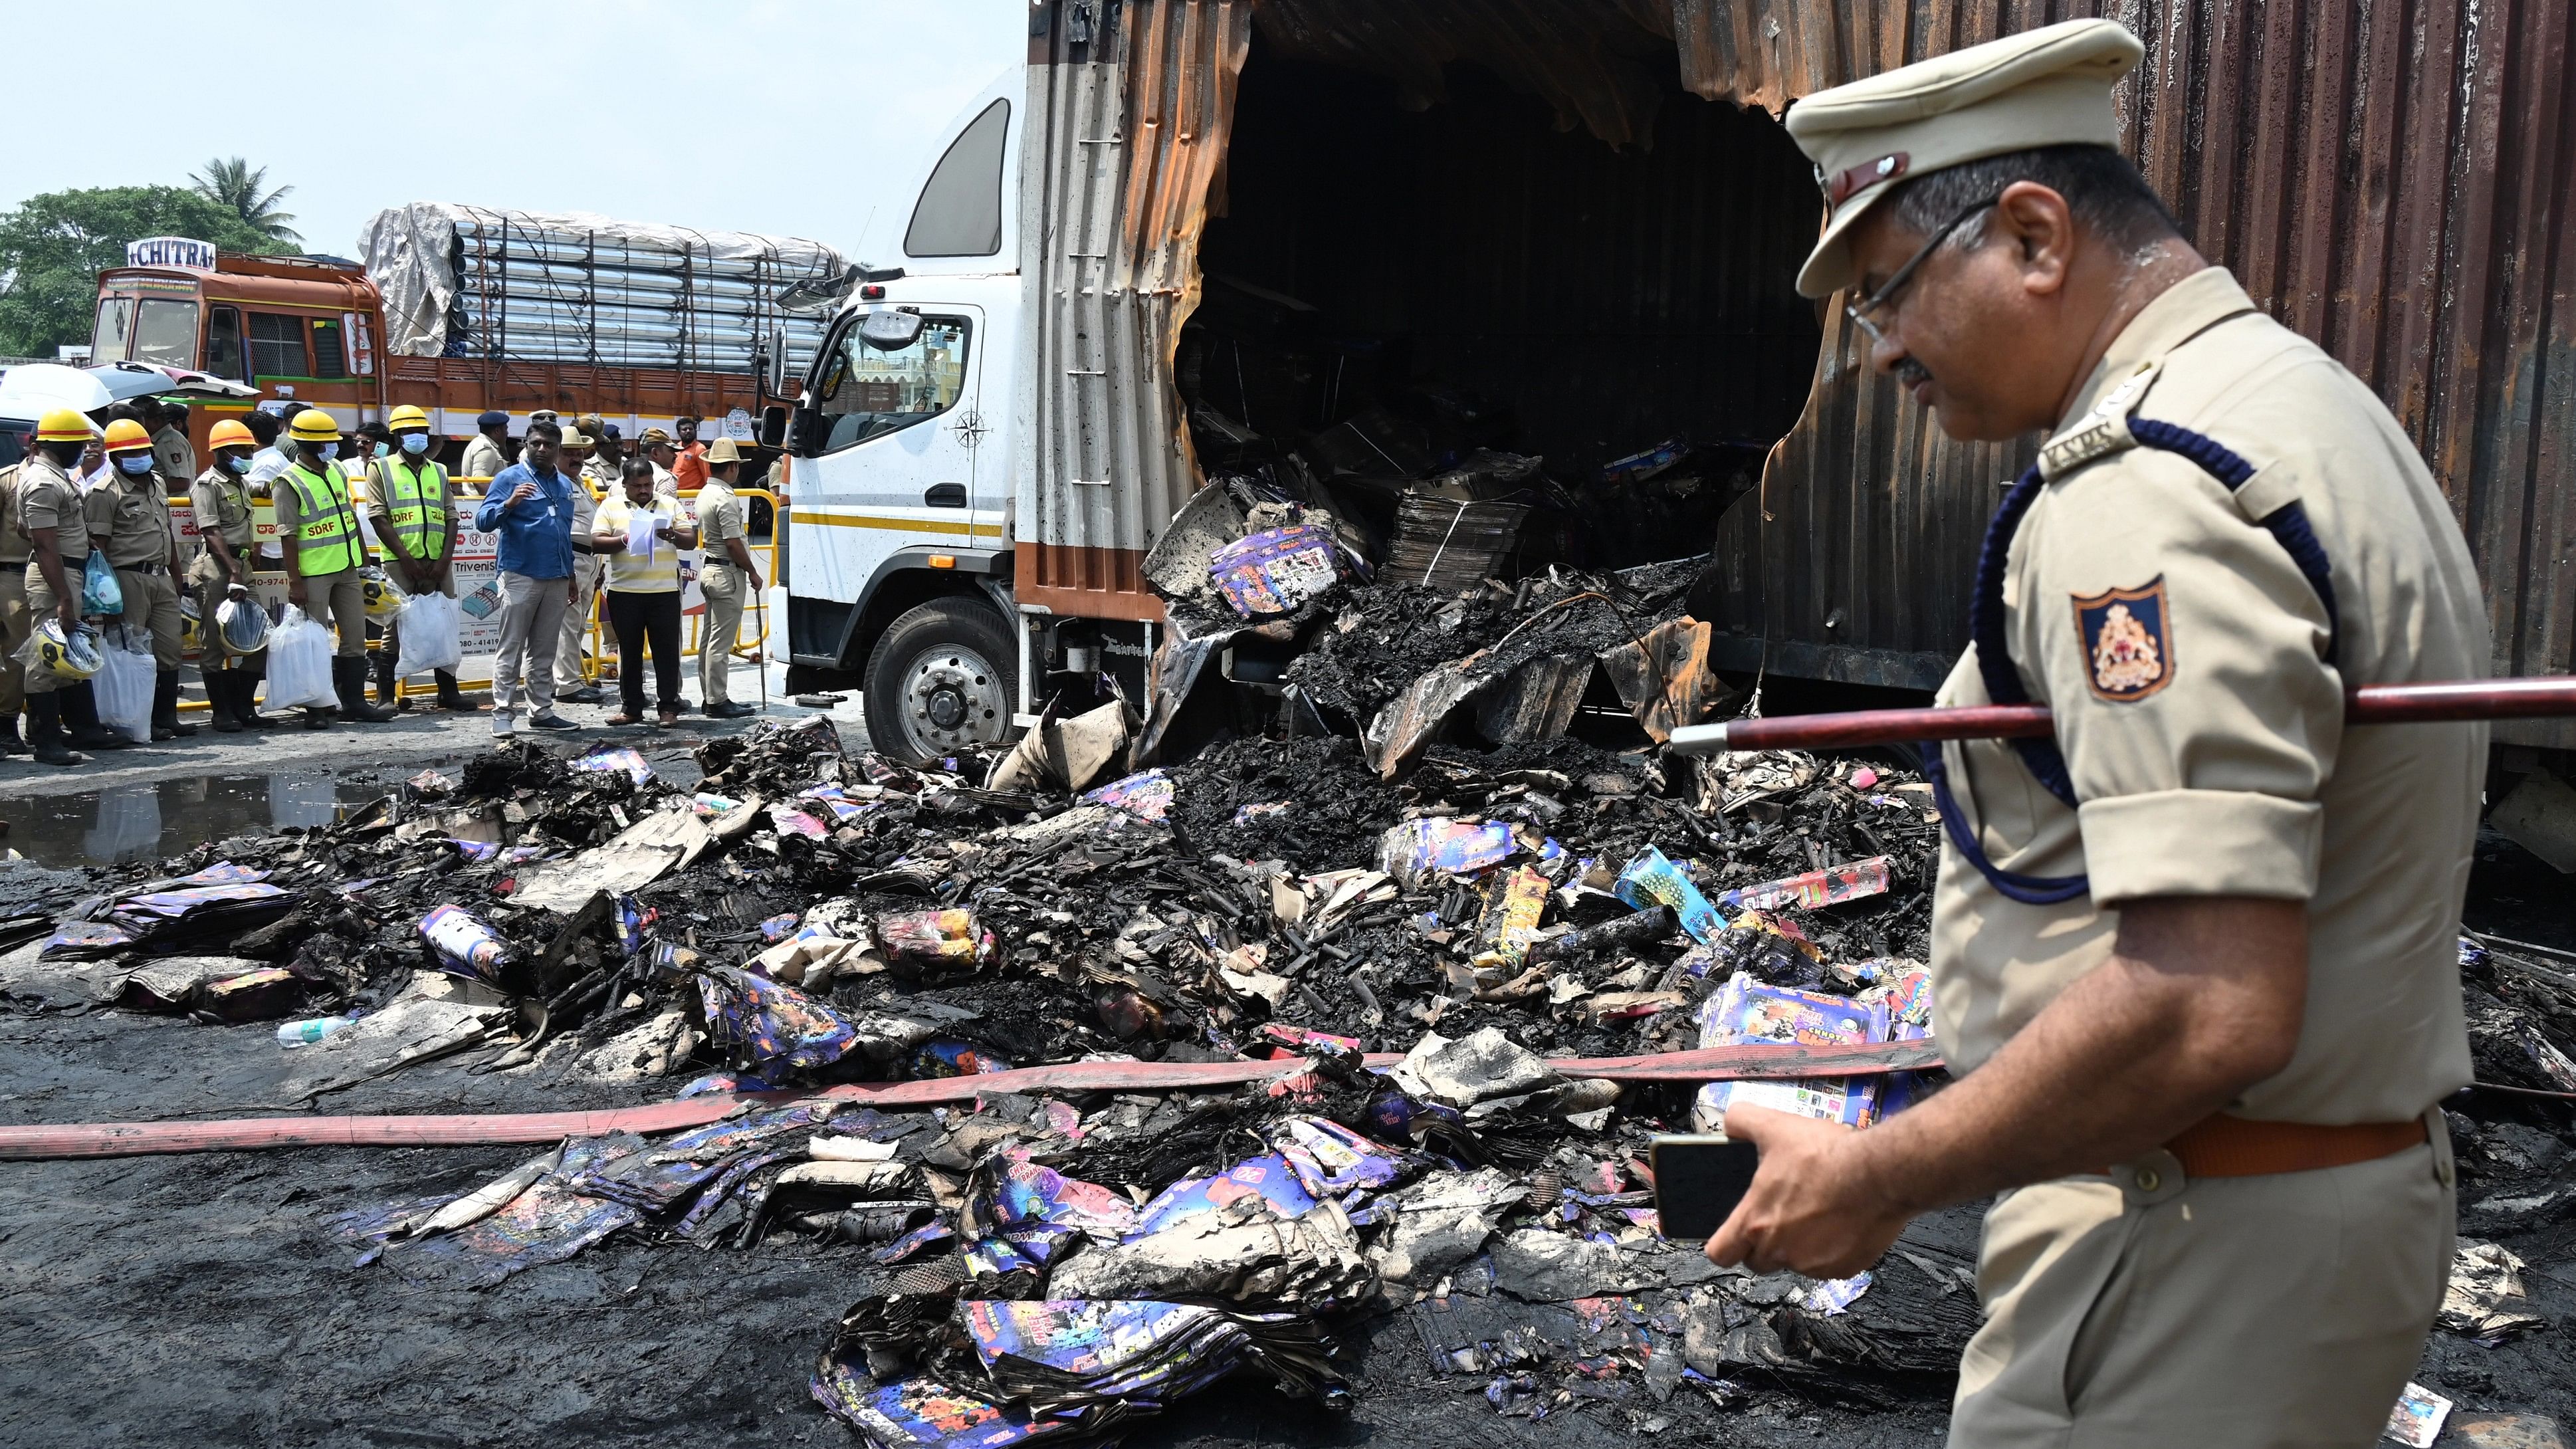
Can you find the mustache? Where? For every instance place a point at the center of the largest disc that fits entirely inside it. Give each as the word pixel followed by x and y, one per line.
pixel 1909 372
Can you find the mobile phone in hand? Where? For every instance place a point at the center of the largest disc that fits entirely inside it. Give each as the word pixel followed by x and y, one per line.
pixel 1698 1182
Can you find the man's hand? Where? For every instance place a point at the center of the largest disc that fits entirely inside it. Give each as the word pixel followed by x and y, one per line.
pixel 1812 1207
pixel 522 494
pixel 295 590
pixel 68 613
pixel 756 585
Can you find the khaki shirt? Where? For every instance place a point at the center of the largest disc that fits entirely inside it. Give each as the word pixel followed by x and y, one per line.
pixel 483 459
pixel 2208 746
pixel 719 518
pixel 14 547
pixel 220 500
pixel 48 498
pixel 129 518
pixel 172 451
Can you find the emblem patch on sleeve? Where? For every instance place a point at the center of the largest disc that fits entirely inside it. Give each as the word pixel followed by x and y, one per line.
pixel 2128 641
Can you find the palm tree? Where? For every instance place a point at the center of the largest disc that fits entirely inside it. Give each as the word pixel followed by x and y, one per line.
pixel 233 184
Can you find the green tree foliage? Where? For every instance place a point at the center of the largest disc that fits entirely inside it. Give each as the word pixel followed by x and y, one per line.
pixel 232 183
pixel 53 247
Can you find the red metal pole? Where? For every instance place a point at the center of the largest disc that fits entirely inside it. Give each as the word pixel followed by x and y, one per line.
pixel 2376 704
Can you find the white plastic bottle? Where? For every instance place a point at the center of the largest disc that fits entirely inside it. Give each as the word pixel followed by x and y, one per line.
pixel 302 1033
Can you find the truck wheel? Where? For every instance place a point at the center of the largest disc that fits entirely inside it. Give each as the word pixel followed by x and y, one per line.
pixel 943 677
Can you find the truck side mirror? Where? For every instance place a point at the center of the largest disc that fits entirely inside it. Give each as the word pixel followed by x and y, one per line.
pixel 890 330
pixel 775 362
pixel 773 426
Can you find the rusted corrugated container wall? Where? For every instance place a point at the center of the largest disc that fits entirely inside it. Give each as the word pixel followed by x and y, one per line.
pixel 1129 114
pixel 2393 179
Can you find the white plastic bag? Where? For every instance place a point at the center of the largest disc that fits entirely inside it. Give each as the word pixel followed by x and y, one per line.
pixel 431 632
pixel 123 686
pixel 299 664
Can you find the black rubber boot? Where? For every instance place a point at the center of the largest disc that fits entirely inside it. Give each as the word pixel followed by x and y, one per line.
pixel 165 709
pixel 350 675
pixel 246 701
pixel 80 719
pixel 219 701
pixel 45 732
pixel 388 689
pixel 9 742
pixel 450 697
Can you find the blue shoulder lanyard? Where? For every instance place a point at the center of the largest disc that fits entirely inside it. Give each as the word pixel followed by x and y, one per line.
pixel 2288 523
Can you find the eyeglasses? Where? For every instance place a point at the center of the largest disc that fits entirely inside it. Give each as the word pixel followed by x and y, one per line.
pixel 1883 301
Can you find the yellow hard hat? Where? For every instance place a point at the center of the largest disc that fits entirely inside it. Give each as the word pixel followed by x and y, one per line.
pixel 406 416
pixel 192 629
pixel 230 434
pixel 125 435
pixel 380 596
pixel 72 656
pixel 64 425
pixel 313 425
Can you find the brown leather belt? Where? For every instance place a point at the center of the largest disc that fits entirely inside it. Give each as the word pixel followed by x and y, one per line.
pixel 2224 1146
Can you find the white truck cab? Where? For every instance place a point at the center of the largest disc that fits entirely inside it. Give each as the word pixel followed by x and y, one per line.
pixel 898 544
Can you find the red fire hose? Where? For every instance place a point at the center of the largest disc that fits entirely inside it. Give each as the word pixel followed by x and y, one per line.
pixel 134 1139
pixel 2375 704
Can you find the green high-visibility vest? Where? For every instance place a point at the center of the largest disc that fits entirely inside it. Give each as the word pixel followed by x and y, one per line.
pixel 326 534
pixel 417 507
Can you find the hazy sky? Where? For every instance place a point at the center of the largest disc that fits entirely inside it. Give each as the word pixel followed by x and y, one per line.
pixel 751 115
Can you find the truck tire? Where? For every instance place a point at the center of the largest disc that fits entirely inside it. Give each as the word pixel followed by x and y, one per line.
pixel 945 675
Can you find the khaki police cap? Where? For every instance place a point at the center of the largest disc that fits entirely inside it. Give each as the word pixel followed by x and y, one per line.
pixel 723 450
pixel 574 438
pixel 2044 87
pixel 655 438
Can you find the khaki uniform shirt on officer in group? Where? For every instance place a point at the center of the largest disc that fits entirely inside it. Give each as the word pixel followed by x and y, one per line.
pixel 221 501
pixel 129 519
pixel 173 453
pixel 2181 650
pixel 483 459
pixel 48 498
pixel 335 599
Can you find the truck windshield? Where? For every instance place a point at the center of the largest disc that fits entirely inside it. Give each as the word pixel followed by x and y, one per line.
pixel 864 393
pixel 165 333
pixel 115 329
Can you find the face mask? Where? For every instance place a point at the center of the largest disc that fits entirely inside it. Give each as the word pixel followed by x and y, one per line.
pixel 136 466
pixel 384 450
pixel 327 451
pixel 415 443
pixel 238 465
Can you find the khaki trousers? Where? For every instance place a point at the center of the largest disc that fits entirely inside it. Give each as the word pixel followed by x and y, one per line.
pixel 719 631
pixel 14 626
pixel 576 622
pixel 2254 1312
pixel 212 658
pixel 41 604
pixel 152 602
pixel 532 613
pixel 339 599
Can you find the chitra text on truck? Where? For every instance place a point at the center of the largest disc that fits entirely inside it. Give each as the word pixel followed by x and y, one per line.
pixel 1184 240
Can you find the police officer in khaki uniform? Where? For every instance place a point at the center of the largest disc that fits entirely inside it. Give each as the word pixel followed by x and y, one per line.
pixel 324 549
pixel 220 498
pixel 2194 959
pixel 129 518
pixel 728 581
pixel 62 714
pixel 592 480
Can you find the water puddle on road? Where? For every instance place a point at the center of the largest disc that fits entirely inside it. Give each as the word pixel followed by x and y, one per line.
pixel 130 822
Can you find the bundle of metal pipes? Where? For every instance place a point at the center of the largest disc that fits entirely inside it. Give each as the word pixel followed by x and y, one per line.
pixel 531 292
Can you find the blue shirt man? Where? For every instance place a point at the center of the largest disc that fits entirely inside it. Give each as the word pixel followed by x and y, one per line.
pixel 531 510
